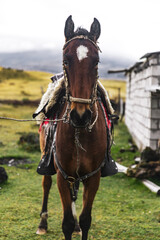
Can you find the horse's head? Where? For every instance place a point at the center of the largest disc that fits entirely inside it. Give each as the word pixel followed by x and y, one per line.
pixel 80 62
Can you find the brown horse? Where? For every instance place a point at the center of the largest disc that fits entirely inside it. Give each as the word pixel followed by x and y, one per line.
pixel 81 141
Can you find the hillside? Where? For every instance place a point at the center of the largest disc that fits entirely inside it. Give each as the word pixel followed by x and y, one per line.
pixel 20 85
pixel 51 61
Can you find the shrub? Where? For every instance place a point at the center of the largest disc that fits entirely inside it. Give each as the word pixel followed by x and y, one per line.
pixel 29 141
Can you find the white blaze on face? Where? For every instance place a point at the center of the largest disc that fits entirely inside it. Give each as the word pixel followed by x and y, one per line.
pixel 82 52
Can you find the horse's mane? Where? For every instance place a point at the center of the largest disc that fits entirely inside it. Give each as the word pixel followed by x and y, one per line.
pixel 82 32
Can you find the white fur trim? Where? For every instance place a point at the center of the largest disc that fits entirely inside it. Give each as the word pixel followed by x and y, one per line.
pixel 47 96
pixel 53 97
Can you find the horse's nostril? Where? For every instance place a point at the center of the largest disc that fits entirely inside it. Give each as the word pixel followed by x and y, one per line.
pixel 87 115
pixel 74 114
pixel 80 121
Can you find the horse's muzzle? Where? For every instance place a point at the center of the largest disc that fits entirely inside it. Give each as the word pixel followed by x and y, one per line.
pixel 80 121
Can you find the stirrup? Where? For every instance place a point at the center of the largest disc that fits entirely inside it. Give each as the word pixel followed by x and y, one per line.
pixel 45 168
pixel 110 167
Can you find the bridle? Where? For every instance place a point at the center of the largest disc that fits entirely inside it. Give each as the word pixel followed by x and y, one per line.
pixel 69 98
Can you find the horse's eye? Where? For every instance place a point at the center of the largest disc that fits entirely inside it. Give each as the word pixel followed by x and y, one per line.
pixel 96 64
pixel 65 62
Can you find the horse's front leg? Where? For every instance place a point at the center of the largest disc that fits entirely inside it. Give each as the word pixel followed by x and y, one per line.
pixel 90 188
pixel 68 224
pixel 46 184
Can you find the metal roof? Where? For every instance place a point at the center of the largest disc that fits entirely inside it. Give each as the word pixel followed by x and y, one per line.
pixel 138 66
pixel 148 55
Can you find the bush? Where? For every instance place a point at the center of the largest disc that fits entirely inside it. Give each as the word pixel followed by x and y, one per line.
pixel 7 73
pixel 29 141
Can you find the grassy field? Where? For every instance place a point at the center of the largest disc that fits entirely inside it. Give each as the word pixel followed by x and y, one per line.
pixel 22 85
pixel 29 84
pixel 123 208
pixel 113 87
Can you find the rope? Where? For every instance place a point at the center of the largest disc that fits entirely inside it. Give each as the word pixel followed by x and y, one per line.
pixel 95 120
pixel 80 100
pixel 30 120
pixel 82 37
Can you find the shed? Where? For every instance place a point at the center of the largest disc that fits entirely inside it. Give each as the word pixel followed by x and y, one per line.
pixel 142 115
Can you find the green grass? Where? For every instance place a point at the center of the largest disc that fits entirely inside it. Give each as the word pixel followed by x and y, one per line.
pixel 123 209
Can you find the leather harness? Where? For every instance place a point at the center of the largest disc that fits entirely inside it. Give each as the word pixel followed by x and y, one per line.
pixel 74 182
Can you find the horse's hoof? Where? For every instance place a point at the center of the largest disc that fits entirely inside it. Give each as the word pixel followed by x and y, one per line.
pixel 77 228
pixel 41 231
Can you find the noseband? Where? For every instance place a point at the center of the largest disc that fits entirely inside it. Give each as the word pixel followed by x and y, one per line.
pixel 71 99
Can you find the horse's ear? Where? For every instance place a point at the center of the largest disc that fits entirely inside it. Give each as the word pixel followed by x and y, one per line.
pixel 69 28
pixel 95 30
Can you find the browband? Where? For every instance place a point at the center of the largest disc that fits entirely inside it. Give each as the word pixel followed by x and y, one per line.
pixel 82 37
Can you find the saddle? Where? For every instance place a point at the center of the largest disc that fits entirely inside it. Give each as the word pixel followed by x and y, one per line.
pixel 49 107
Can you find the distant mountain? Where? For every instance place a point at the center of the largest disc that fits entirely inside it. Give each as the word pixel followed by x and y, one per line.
pixel 45 60
pixel 50 61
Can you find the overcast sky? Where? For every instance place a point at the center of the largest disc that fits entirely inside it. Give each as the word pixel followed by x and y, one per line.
pixel 129 28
